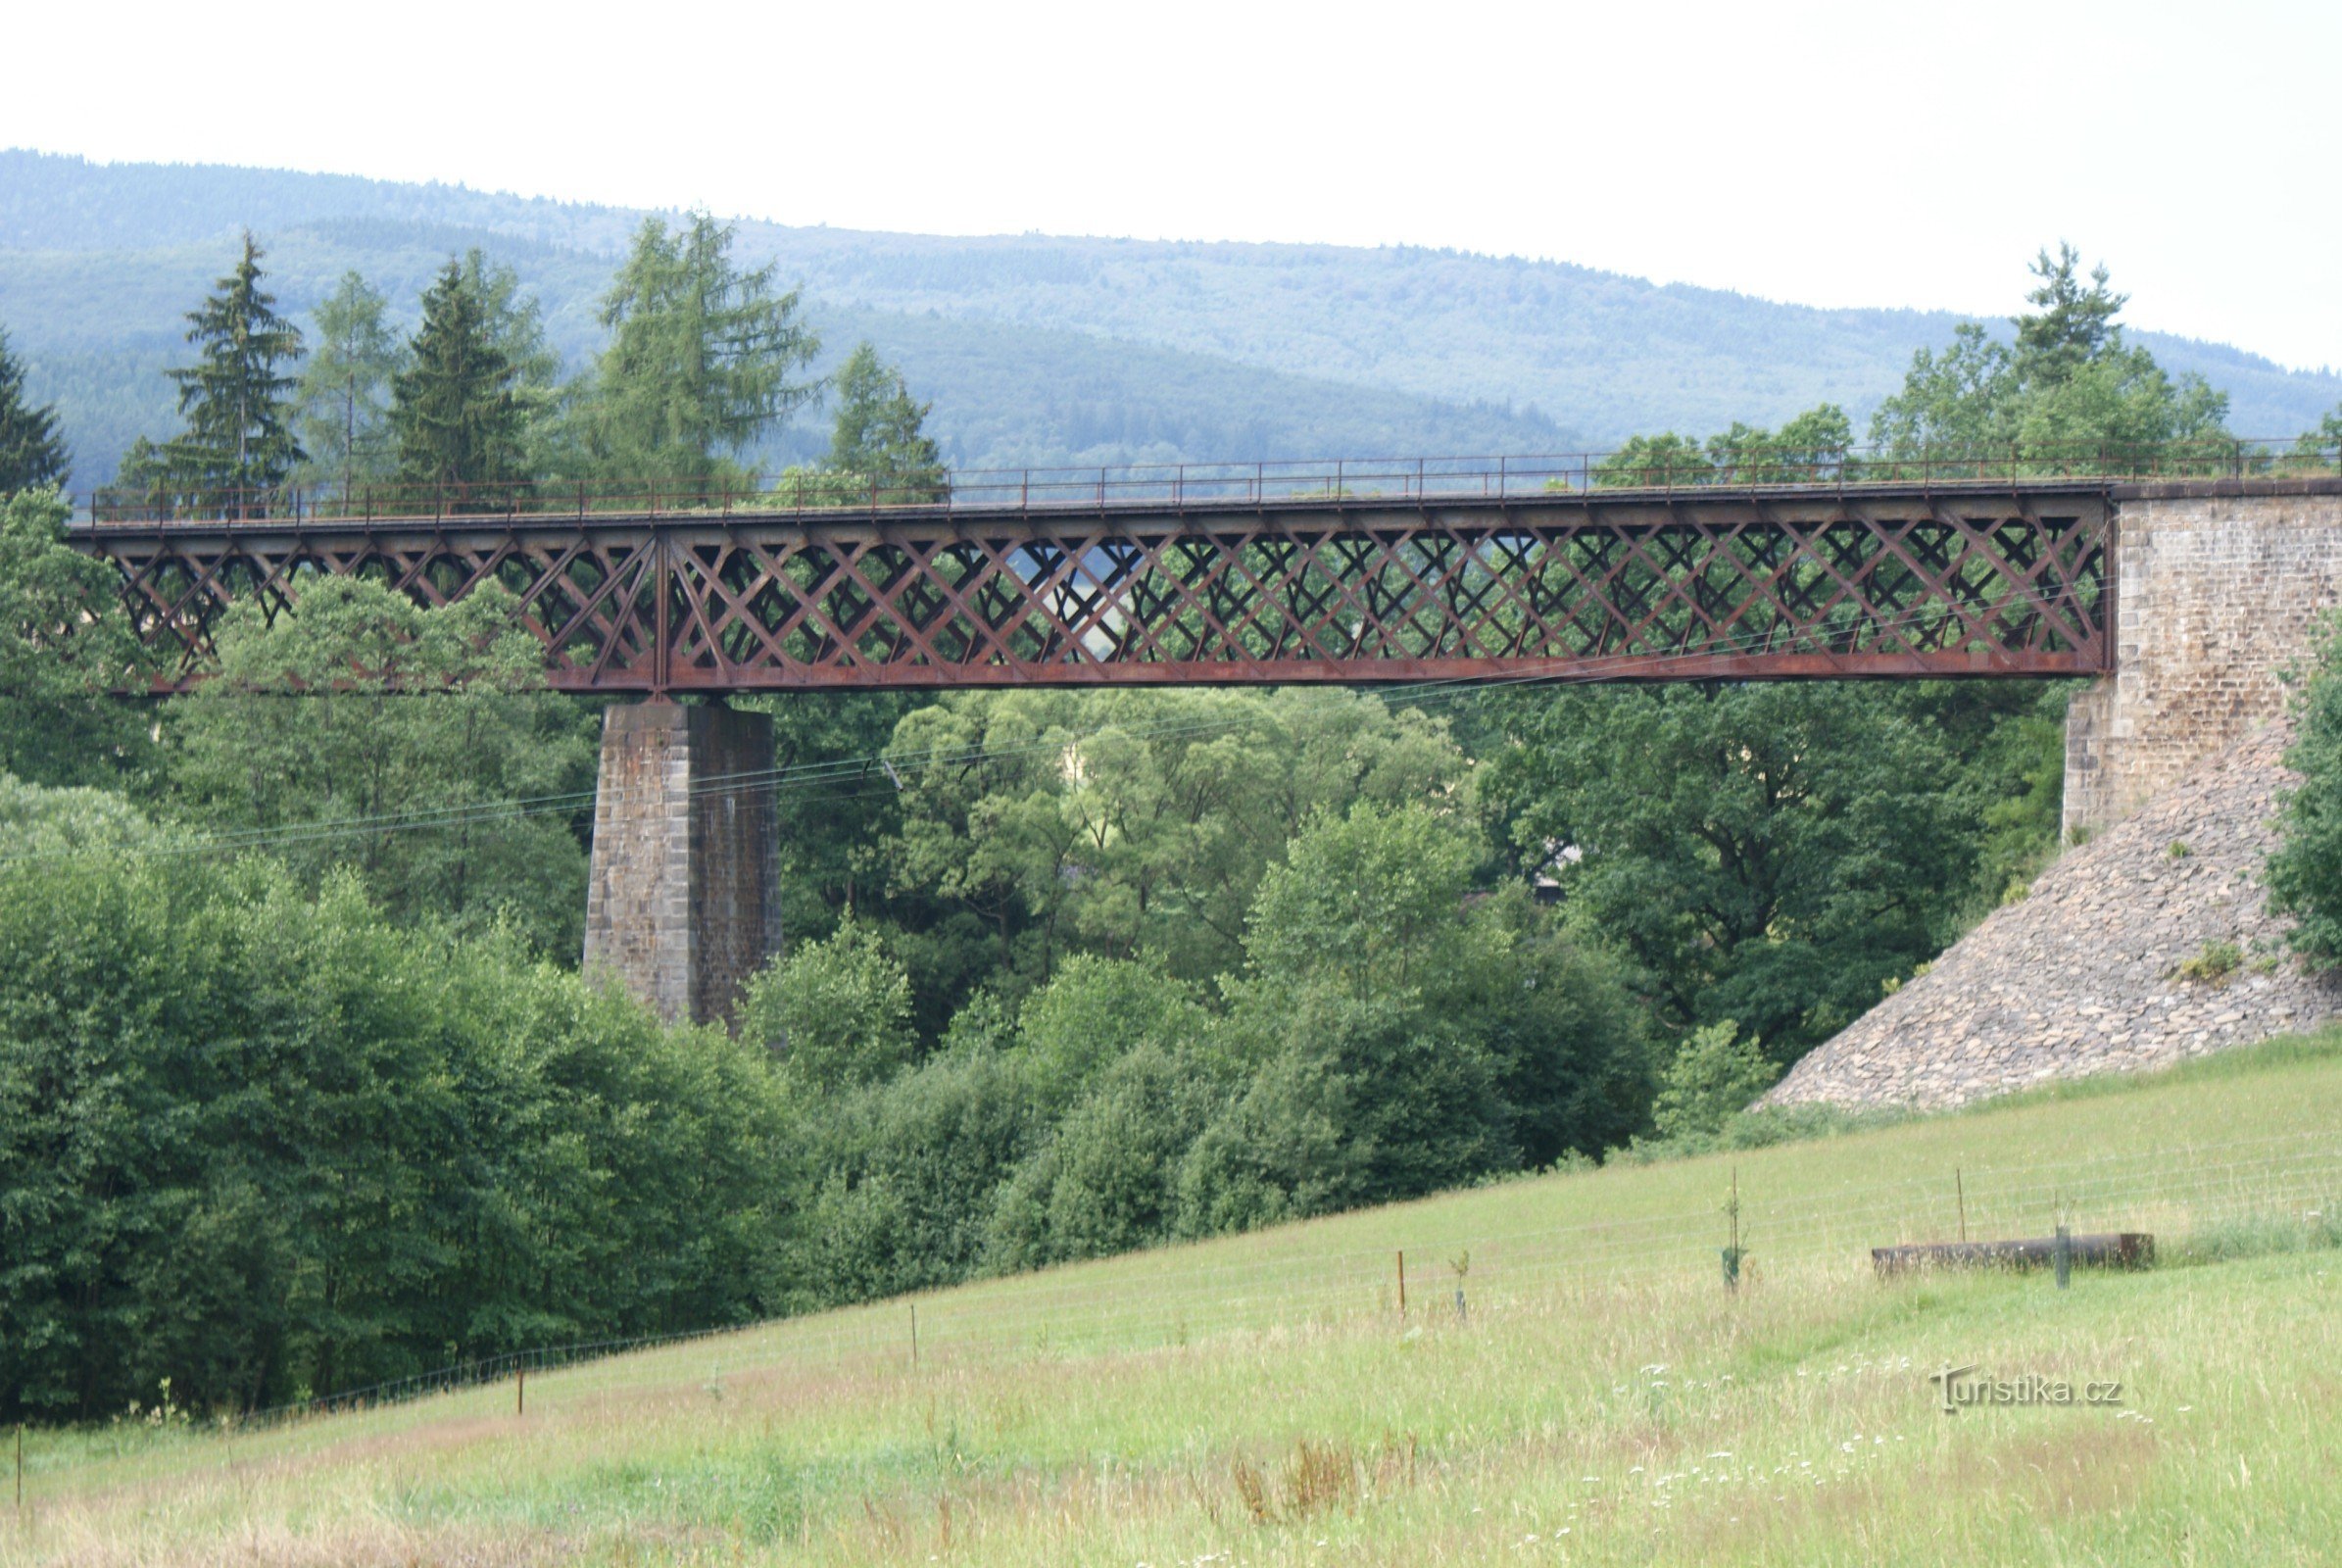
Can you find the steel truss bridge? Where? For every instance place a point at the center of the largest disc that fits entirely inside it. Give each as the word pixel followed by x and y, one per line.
pixel 1361 577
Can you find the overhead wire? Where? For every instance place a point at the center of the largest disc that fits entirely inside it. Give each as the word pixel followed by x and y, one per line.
pixel 801 776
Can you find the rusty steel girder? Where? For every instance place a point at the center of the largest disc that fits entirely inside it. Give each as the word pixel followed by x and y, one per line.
pixel 2007 578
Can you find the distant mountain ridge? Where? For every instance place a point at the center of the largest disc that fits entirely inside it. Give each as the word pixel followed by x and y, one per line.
pixel 1034 349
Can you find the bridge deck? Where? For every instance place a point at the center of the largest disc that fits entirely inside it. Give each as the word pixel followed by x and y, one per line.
pixel 1994 577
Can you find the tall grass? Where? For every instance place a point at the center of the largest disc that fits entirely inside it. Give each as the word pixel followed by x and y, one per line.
pixel 1261 1399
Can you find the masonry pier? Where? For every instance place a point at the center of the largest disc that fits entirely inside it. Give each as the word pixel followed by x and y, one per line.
pixel 682 900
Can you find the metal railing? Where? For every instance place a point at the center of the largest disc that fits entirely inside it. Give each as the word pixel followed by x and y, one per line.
pixel 1158 486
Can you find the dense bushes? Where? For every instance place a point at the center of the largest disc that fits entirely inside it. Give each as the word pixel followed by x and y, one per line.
pixel 1386 1036
pixel 2305 871
pixel 259 1142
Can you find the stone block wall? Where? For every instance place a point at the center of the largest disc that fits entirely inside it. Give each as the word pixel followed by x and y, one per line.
pixel 682 896
pixel 2220 584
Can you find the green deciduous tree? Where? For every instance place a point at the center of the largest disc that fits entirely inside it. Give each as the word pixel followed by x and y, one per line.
pixel 1714 1076
pixel 65 643
pixel 455 408
pixel 1811 447
pixel 1107 1179
pixel 343 410
pixel 255 1141
pixel 1135 824
pixel 2305 869
pixel 838 1010
pixel 1468 1035
pixel 2322 444
pixel 361 731
pixel 32 455
pixel 1768 853
pixel 2072 392
pixel 1654 460
pixel 701 360
pixel 236 398
pixel 901 1179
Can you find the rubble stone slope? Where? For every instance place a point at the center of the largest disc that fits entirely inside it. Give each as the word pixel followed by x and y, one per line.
pixel 2083 974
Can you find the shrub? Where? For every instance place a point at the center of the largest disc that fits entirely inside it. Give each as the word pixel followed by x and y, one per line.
pixel 1714 1076
pixel 2212 965
pixel 255 1139
pixel 2304 871
pixel 838 1010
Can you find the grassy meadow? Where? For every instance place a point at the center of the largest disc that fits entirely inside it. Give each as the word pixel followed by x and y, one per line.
pixel 1597 1397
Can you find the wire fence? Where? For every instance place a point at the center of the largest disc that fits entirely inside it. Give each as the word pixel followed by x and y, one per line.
pixel 1172 1298
pixel 822 493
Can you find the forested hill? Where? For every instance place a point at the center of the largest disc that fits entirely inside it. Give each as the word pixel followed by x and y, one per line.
pixel 1035 348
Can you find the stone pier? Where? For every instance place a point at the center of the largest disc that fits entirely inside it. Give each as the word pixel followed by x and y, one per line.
pixel 2221 584
pixel 682 898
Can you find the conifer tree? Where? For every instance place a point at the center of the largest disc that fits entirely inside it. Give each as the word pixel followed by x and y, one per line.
pixel 32 456
pixel 344 406
pixel 235 398
pixel 702 355
pixel 515 324
pixel 881 432
pixel 458 423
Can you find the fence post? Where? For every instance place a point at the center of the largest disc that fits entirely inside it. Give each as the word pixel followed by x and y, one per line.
pixel 20 1472
pixel 1960 1190
pixel 2065 1256
pixel 520 1390
pixel 1402 1282
pixel 1732 1250
pixel 914 1334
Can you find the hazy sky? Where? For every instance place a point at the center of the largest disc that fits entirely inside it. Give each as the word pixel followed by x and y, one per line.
pixel 1856 154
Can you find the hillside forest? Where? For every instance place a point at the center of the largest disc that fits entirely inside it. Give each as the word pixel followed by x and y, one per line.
pixel 300 1087
pixel 1035 348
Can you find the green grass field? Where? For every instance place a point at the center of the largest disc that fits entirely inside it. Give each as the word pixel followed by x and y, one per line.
pixel 1601 1399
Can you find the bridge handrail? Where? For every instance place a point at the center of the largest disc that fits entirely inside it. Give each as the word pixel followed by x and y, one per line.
pixel 1155 486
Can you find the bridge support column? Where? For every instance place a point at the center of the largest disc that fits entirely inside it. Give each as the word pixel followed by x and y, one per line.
pixel 682 900
pixel 2222 586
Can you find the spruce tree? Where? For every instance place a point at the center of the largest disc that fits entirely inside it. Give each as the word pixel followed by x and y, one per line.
pixel 458 423
pixel 880 436
pixel 2073 325
pixel 236 397
pixel 33 457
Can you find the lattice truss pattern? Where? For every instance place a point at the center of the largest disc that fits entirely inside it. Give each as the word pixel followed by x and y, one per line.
pixel 1340 592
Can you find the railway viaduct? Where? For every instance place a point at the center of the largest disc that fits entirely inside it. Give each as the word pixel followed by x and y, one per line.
pixel 2177 603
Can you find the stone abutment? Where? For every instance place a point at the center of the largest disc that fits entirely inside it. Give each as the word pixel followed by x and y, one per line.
pixel 2219 588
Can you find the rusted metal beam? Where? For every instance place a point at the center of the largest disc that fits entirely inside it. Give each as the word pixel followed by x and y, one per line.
pixel 1838 582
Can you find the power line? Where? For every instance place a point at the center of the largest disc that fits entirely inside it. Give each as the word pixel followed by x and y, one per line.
pixel 812 775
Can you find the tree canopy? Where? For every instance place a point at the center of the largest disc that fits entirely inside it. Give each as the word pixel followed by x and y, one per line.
pixel 2072 390
pixel 410 746
pixel 701 360
pixel 32 452
pixel 236 398
pixel 880 436
pixel 459 419
pixel 64 644
pixel 342 407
